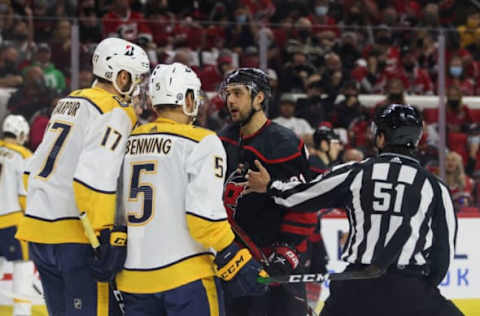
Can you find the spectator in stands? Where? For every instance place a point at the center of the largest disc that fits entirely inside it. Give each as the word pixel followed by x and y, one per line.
pixel 457 76
pixel 90 28
pixel 287 119
pixel 32 96
pixel 431 17
pixel 458 114
pixel 372 76
pixel 349 51
pixel 10 76
pixel 22 37
pixel 43 26
pixel 60 45
pixel 303 40
pixel 395 92
pixel 461 185
pixel 470 32
pixel 125 23
pixel 415 79
pixel 85 78
pixel 212 75
pixel 54 78
pixel 242 32
pixel 428 54
pixel 334 71
pixel 349 109
pixel 6 18
pixel 295 73
pixel 315 108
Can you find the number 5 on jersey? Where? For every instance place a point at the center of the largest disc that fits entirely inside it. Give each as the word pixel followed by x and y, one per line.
pixel 145 214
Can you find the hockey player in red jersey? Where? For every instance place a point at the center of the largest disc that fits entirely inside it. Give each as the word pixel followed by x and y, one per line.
pixel 280 234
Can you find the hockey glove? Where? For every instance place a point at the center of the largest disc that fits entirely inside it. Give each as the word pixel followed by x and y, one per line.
pixel 283 260
pixel 110 256
pixel 239 270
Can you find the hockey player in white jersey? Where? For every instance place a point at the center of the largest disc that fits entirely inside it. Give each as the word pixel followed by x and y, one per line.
pixel 172 192
pixel 13 157
pixel 75 169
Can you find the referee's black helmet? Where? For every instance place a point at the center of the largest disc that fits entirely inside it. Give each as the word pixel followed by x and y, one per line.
pixel 401 124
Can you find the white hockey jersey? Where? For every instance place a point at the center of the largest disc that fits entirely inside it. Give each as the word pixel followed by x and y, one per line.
pixel 12 191
pixel 76 166
pixel 172 192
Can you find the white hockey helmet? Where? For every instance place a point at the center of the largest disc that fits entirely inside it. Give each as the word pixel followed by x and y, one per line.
pixel 18 126
pixel 113 55
pixel 169 84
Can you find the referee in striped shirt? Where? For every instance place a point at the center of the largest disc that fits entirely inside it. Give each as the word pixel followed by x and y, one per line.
pixel 402 222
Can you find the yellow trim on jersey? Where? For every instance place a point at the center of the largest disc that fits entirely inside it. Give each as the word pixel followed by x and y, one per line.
pixel 25 181
pixel 102 299
pixel 212 295
pixel 48 232
pixel 163 125
pixel 22 200
pixel 104 101
pixel 11 219
pixel 24 152
pixel 170 277
pixel 210 234
pixel 24 246
pixel 100 207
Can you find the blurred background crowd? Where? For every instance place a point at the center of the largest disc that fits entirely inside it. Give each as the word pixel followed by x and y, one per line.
pixel 321 56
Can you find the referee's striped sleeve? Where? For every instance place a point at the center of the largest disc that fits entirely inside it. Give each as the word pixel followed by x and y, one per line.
pixel 444 228
pixel 322 192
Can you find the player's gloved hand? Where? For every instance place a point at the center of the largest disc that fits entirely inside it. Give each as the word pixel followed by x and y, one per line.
pixel 239 270
pixel 111 254
pixel 283 260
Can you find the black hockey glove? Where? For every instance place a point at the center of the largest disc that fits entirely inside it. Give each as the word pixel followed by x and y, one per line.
pixel 110 256
pixel 283 260
pixel 239 270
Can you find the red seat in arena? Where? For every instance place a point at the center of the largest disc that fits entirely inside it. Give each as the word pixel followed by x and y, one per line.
pixel 458 143
pixel 475 115
pixel 430 115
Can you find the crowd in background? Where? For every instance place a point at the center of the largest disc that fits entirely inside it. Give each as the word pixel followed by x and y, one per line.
pixel 320 49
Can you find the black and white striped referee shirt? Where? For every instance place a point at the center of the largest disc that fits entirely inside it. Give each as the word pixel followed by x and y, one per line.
pixel 399 213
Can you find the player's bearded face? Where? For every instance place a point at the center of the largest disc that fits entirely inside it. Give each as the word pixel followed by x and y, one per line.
pixel 239 102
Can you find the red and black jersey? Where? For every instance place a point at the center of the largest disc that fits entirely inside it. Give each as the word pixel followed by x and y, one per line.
pixel 283 154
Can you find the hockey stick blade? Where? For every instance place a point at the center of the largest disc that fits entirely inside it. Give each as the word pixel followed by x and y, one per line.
pixel 372 272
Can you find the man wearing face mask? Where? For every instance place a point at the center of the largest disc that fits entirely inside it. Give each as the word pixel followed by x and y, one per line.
pixel 32 96
pixel 456 76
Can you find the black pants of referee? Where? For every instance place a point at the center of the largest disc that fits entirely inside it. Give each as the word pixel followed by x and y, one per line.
pixel 393 294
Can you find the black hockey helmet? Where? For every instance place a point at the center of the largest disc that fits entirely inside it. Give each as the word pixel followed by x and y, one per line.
pixel 323 133
pixel 402 124
pixel 254 79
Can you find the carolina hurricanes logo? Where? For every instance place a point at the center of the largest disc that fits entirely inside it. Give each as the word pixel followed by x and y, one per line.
pixel 232 192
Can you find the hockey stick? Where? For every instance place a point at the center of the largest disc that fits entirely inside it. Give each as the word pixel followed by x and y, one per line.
pixel 95 243
pixel 371 272
pixel 260 256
